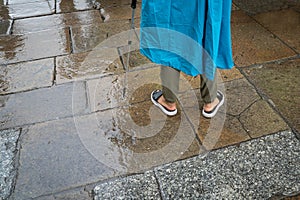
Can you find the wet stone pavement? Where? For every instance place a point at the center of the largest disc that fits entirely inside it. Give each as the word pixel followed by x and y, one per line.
pixel 76 121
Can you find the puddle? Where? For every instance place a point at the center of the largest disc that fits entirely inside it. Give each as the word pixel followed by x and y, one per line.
pixel 73 5
pixel 127 132
pixel 135 138
pixel 88 65
pixel 17 48
pixel 26 76
pixel 5 27
pixel 10 45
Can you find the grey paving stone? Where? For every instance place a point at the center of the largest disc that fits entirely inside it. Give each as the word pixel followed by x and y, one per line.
pixel 259 45
pixel 42 105
pixel 240 95
pixel 18 77
pixel 260 119
pixel 257 169
pixel 93 64
pixel 8 148
pixel 54 159
pixel 281 89
pixel 285 24
pixel 58 21
pixel 88 37
pixel 20 9
pixel 31 46
pixel 122 89
pixel 214 136
pixel 141 186
pixel 258 6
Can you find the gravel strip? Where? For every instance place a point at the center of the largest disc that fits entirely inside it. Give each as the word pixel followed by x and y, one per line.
pixel 141 186
pixel 8 148
pixel 257 169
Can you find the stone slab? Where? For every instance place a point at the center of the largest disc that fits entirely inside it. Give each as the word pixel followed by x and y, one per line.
pixel 21 9
pixel 280 83
pixel 256 169
pixel 89 37
pixel 53 159
pixel 141 186
pixel 56 21
pixel 253 44
pixel 240 94
pixel 230 75
pixel 90 65
pixel 31 46
pixel 8 151
pixel 260 119
pixel 213 137
pixel 133 59
pixel 26 76
pixel 284 23
pixel 42 105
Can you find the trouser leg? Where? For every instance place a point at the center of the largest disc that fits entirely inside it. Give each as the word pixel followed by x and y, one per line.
pixel 208 89
pixel 170 83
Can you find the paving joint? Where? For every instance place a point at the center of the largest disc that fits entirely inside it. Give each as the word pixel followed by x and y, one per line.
pixel 257 65
pixel 191 125
pixel 71 40
pixel 17 159
pixel 158 185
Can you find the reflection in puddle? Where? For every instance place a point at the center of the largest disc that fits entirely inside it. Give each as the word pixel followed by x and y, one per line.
pixel 5 22
pixel 134 135
pixel 146 134
pixel 87 65
pixel 65 6
pixel 10 46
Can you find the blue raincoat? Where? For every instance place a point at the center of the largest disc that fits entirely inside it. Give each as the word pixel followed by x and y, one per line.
pixel 192 36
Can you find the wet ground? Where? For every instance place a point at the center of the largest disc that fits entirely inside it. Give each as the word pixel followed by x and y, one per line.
pixel 77 123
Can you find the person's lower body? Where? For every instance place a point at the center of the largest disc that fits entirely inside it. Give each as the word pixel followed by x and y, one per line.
pixel 166 98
